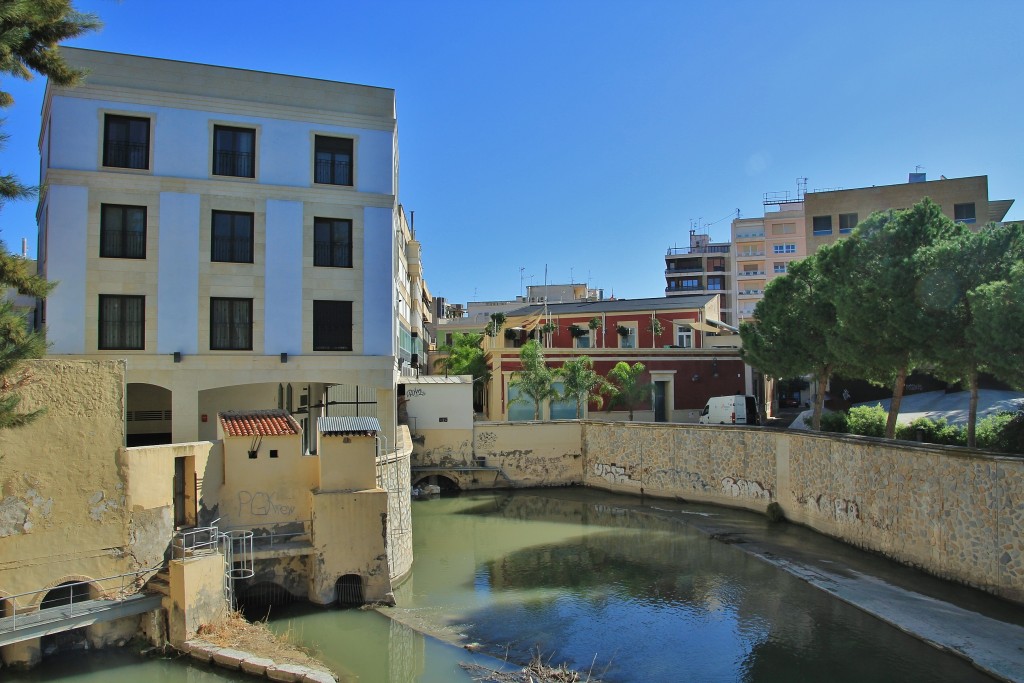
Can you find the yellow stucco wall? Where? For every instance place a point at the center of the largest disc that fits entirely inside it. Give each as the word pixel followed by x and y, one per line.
pixel 347 463
pixel 349 535
pixel 63 510
pixel 532 453
pixel 264 491
pixel 197 596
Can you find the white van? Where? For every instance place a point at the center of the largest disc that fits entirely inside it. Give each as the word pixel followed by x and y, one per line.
pixel 730 410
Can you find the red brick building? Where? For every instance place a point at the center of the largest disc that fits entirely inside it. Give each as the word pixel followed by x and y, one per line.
pixel 687 353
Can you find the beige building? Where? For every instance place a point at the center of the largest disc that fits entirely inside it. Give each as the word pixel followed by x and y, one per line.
pixel 234 235
pixel 795 225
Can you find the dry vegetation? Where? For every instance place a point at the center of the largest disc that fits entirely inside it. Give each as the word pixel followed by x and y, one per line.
pixel 537 671
pixel 237 633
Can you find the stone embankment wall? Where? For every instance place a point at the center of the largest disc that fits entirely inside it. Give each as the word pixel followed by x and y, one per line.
pixel 396 479
pixel 954 513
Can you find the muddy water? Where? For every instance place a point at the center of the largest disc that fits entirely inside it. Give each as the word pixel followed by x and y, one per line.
pixel 631 592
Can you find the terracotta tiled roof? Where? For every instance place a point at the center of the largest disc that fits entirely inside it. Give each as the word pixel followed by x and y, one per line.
pixel 258 422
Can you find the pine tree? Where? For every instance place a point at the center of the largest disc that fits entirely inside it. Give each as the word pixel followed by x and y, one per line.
pixel 30 31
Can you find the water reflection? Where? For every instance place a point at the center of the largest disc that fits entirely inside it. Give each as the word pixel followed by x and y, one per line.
pixel 599 582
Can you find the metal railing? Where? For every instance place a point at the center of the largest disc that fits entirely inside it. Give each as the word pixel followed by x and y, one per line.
pixel 197 541
pixel 15 616
pixel 263 538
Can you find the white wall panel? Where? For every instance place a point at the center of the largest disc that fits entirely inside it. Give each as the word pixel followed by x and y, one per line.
pixel 378 283
pixel 66 215
pixel 178 274
pixel 283 292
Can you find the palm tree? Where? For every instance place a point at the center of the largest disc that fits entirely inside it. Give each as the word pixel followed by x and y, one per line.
pixel 535 382
pixel 626 389
pixel 465 356
pixel 581 383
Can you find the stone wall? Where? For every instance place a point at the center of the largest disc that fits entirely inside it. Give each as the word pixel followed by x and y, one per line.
pixel 532 453
pixel 954 513
pixel 396 479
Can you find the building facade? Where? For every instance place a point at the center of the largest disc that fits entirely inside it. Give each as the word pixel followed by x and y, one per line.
pixel 235 235
pixel 794 226
pixel 704 267
pixel 688 354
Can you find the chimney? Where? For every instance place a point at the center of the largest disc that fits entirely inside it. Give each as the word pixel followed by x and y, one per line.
pixel 24 247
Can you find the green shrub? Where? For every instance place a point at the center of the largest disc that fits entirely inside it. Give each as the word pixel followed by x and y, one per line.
pixel 774 513
pixel 867 420
pixel 1002 432
pixel 834 422
pixel 933 431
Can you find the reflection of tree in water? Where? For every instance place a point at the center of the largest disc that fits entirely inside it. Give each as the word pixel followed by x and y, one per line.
pixel 644 566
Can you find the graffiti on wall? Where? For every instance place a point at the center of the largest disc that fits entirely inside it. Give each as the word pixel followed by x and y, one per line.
pixel 741 488
pixel 412 393
pixel 261 504
pixel 614 474
pixel 839 509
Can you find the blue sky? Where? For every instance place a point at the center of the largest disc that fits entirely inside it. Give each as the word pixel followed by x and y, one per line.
pixel 588 136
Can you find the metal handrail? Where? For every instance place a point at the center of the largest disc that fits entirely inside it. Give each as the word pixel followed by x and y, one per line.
pixel 272 536
pixel 191 541
pixel 120 594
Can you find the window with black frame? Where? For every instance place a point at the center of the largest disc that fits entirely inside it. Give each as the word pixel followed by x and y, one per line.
pixel 230 324
pixel 232 233
pixel 125 141
pixel 332 161
pixel 332 242
pixel 332 325
pixel 122 322
pixel 234 151
pixel 122 231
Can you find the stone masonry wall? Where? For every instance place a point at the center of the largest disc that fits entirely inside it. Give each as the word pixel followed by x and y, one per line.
pixel 955 513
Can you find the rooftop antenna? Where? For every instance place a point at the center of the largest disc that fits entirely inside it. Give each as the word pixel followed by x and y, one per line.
pixel 918 168
pixel 521 270
pixel 801 189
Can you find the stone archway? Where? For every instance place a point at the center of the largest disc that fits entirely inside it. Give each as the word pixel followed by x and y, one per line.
pixel 148 417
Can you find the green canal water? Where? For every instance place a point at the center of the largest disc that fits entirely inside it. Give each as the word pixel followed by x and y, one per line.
pixel 628 590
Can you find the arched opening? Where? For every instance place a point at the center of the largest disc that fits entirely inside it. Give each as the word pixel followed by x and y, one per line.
pixel 66 596
pixel 147 415
pixel 259 599
pixel 447 485
pixel 349 590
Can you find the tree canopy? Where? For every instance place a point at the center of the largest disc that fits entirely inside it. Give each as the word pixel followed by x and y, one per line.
pixel 30 31
pixel 535 381
pixel 581 383
pixel 796 323
pixel 625 388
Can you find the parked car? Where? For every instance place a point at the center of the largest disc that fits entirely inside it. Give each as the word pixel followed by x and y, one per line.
pixel 724 410
pixel 789 402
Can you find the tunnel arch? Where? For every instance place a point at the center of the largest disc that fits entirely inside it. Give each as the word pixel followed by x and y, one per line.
pixel 447 484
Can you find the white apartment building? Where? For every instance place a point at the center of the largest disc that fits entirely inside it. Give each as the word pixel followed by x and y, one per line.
pixel 233 235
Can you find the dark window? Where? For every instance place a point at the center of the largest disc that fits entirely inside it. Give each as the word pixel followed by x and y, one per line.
pixel 963 213
pixel 332 242
pixel 847 222
pixel 125 141
pixel 716 282
pixel 332 325
pixel 234 151
pixel 122 322
pixel 690 283
pixel 332 163
pixel 232 237
pixel 122 231
pixel 822 225
pixel 231 324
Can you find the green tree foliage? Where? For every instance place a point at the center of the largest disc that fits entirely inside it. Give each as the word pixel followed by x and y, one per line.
pixel 794 328
pixel 581 383
pixel 494 326
pixel 18 342
pixel 950 271
pixel 535 381
pixel 883 330
pixel 998 308
pixel 30 31
pixel 465 356
pixel 625 388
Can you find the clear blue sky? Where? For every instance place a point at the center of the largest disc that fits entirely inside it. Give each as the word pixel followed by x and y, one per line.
pixel 588 135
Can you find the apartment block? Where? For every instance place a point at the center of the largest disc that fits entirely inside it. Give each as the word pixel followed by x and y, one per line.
pixel 795 225
pixel 704 267
pixel 235 235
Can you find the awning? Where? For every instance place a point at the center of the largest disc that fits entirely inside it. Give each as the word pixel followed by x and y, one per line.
pixel 527 322
pixel 703 327
pixel 719 323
